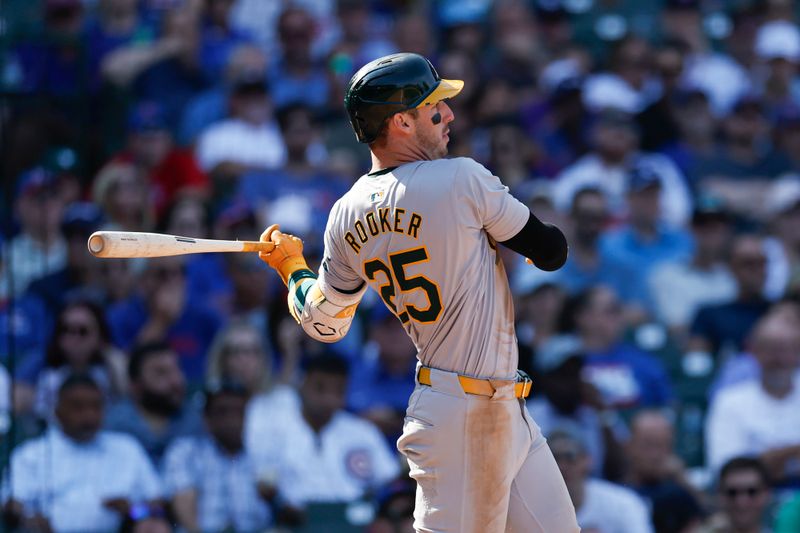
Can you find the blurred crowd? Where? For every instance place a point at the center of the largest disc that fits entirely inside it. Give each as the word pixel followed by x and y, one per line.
pixel 177 394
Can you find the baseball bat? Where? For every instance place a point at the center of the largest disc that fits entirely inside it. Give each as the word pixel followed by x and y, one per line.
pixel 142 244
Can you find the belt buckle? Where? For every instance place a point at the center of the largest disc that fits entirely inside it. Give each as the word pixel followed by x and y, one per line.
pixel 527 382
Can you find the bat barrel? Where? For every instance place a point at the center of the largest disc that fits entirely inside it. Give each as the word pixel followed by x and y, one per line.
pixel 125 244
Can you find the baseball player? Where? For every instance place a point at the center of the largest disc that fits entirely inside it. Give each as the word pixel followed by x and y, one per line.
pixel 422 231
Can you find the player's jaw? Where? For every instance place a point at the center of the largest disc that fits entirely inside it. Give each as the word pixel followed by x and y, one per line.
pixel 433 136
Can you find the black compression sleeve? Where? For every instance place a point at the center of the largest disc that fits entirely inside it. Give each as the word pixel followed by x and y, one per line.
pixel 544 244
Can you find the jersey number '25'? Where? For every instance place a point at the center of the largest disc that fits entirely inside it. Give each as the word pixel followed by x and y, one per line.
pixel 397 275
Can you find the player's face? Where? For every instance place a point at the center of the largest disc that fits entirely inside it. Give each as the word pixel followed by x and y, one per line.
pixel 432 133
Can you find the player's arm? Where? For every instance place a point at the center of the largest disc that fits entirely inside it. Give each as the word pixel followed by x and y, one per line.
pixel 542 243
pixel 322 311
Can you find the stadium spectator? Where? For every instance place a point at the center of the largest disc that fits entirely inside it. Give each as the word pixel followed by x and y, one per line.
pixel 211 105
pixel 655 471
pixel 78 278
pixel 211 479
pixel 162 309
pixel 240 355
pixel 316 451
pixel 783 243
pixel 720 329
pixel 588 264
pixel 759 416
pixel 168 171
pixel 296 76
pixel 628 86
pixel 568 402
pixel 39 248
pixel 679 287
pixel 206 277
pixel 218 37
pixel 625 376
pixel 175 79
pixel 80 344
pixel 101 477
pixel 697 128
pixel 384 376
pixel 601 506
pixel 744 494
pixel 251 294
pixel 157 410
pixel 645 240
pixel 247 140
pixel 744 163
pixel 123 194
pixel 614 141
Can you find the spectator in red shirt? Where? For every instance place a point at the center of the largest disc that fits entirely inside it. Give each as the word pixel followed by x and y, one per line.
pixel 171 171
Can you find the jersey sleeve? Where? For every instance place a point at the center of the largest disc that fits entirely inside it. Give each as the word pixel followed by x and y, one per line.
pixel 335 272
pixel 497 211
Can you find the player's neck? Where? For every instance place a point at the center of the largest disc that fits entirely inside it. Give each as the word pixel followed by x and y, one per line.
pixel 394 156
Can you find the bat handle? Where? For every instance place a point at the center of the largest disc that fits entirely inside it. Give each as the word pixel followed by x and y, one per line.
pixel 256 246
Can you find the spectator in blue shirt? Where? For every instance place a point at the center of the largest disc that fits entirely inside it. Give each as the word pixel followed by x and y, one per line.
pixel 295 76
pixel 218 38
pixel 645 240
pixel 157 410
pixel 625 376
pixel 720 330
pixel 164 310
pixel 589 264
pixel 384 378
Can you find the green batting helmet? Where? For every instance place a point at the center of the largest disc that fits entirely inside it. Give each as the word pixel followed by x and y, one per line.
pixel 391 84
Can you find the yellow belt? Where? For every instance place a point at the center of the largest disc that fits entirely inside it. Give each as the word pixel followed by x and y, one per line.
pixel 481 387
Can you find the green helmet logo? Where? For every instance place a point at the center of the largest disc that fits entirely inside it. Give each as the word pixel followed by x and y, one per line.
pixel 391 84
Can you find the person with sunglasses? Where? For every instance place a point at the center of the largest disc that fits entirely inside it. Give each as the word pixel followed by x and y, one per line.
pixel 744 496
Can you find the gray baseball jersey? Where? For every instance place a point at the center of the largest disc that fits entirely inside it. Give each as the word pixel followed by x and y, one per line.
pixel 423 236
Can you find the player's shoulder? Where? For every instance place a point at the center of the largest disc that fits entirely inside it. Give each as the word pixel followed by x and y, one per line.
pixel 457 164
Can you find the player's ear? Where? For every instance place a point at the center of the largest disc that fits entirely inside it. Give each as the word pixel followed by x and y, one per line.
pixel 402 123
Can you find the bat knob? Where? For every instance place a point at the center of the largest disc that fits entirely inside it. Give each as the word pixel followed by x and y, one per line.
pixel 96 244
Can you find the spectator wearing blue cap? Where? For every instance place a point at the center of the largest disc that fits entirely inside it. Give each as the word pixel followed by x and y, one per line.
pixel 645 240
pixel 169 171
pixel 79 274
pixel 39 248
